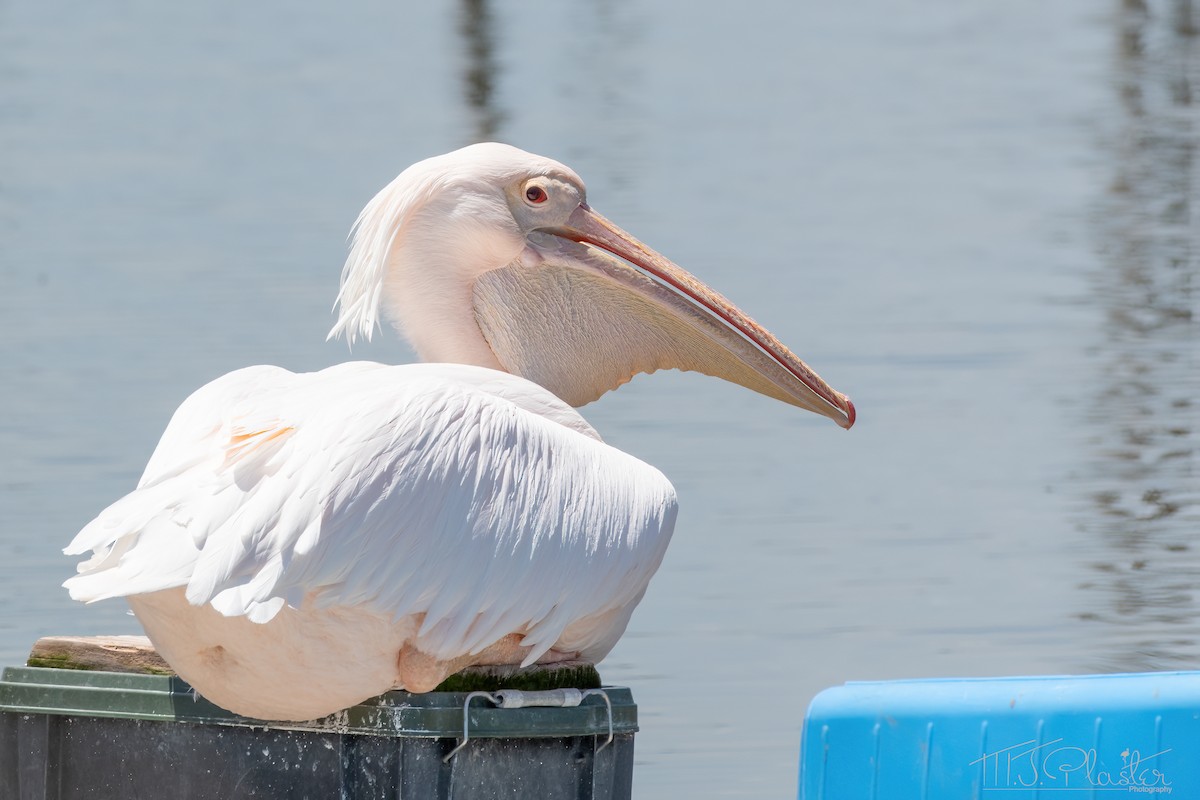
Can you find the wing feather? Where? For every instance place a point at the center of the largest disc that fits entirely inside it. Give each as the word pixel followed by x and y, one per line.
pixel 472 497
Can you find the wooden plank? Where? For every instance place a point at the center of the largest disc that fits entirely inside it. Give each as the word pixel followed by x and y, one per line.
pixel 105 653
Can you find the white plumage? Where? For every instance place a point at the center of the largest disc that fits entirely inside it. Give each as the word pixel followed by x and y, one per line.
pixel 300 542
pixel 380 489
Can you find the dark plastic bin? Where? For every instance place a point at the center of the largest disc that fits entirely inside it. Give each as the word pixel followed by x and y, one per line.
pixel 71 734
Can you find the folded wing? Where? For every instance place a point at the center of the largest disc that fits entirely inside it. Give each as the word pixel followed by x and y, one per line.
pixel 473 497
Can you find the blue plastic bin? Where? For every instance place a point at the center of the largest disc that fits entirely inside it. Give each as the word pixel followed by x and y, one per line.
pixel 1090 736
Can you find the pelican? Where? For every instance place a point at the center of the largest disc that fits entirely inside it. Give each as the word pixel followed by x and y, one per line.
pixel 301 542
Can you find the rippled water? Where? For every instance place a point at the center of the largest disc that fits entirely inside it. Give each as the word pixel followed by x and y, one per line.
pixel 977 220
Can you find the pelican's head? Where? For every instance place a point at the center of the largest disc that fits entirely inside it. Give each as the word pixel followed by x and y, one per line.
pixel 491 256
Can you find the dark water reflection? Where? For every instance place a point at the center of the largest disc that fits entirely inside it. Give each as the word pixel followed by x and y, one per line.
pixel 482 72
pixel 1143 481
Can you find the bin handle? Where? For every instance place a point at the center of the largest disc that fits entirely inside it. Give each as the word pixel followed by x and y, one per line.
pixel 516 698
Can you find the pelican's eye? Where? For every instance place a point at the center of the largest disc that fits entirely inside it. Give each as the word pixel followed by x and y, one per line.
pixel 536 194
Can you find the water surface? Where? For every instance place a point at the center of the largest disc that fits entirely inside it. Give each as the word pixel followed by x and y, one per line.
pixel 978 220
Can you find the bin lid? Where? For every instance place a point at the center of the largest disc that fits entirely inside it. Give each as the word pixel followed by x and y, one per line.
pixel 38 690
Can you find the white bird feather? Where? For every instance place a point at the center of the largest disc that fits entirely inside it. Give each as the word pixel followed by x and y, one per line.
pixel 365 477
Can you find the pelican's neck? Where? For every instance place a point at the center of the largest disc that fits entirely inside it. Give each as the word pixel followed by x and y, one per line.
pixel 428 293
pixel 443 332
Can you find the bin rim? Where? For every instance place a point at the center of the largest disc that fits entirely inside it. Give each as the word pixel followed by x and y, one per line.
pixel 168 698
